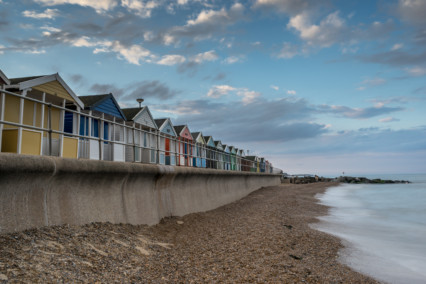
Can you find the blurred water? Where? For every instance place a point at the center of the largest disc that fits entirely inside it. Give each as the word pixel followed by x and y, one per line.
pixel 383 227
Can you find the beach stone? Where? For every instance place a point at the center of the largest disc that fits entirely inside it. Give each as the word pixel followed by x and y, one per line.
pixel 179 222
pixel 3 277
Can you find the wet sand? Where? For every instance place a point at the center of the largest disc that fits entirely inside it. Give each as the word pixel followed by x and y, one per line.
pixel 264 237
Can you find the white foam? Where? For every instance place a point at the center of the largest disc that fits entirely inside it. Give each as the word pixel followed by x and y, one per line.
pixel 384 229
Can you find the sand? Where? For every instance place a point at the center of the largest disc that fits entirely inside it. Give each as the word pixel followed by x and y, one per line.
pixel 264 237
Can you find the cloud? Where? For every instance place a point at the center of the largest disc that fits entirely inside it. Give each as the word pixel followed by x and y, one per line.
pixel 141 8
pixel 47 14
pixel 145 89
pixel 396 58
pixel 247 95
pixel 265 121
pixel 288 50
pixel 194 61
pixel 106 89
pixel 171 60
pixel 359 113
pixel 208 22
pixel 416 71
pixel 329 31
pixel 276 88
pixel 98 5
pixel 371 83
pixel 397 46
pixel 232 59
pixel 219 91
pixel 412 11
pixel 150 89
pixel 291 92
pixel 284 6
pixel 388 119
pixel 205 56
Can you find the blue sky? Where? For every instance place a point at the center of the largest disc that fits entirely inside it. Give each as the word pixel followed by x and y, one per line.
pixel 314 86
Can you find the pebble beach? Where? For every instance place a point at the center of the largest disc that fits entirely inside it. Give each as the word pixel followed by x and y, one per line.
pixel 264 237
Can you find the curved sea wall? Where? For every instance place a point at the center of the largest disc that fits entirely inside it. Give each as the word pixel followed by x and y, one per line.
pixel 38 191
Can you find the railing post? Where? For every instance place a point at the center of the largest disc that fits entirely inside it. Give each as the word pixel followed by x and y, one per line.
pixel 49 123
pixel 2 103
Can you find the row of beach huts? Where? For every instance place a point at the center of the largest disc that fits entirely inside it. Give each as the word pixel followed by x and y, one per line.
pixel 41 115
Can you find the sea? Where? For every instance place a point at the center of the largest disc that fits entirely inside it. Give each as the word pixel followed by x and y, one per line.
pixel 382 226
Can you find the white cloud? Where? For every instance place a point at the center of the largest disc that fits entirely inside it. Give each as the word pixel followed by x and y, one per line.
pixel 212 17
pixel 141 8
pixel 388 119
pixel 329 31
pixel 223 90
pixel 98 5
pixel 291 92
pixel 133 54
pixel 219 91
pixel 397 46
pixel 171 60
pixel 47 14
pixel 289 50
pixel 205 56
pixel 248 96
pixel 276 88
pixel 1 49
pixel 416 71
pixel 169 39
pixel 50 29
pixel 35 51
pixel 232 60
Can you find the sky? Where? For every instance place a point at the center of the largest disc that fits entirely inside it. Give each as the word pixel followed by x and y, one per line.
pixel 314 86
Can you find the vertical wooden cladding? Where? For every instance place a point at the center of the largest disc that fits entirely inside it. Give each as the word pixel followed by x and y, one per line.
pixel 167 142
pixel 199 152
pixel 146 135
pixel 21 110
pixel 185 146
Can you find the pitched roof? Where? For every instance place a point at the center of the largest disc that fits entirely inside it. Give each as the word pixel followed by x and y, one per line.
pixel 46 84
pixel 160 121
pixel 4 78
pixel 179 128
pixel 130 113
pixel 195 134
pixel 93 101
pixel 14 81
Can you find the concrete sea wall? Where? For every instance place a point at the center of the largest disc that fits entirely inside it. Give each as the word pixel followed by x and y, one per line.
pixel 38 191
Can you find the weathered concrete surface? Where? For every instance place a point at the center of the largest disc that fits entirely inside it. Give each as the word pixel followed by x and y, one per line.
pixel 40 191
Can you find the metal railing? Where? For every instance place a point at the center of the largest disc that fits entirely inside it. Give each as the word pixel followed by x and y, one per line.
pixel 134 141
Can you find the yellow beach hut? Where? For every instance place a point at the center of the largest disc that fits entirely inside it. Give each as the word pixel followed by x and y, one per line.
pixel 33 111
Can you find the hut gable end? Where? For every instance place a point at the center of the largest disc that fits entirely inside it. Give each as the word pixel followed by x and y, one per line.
pixel 144 117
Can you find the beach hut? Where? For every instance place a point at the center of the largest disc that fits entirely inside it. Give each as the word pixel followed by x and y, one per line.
pixel 185 145
pixel 254 163
pixel 226 157
pixel 199 159
pixel 103 125
pixel 233 157
pixel 220 155
pixel 166 142
pixel 241 159
pixel 36 118
pixel 145 135
pixel 262 165
pixel 211 152
pixel 245 164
